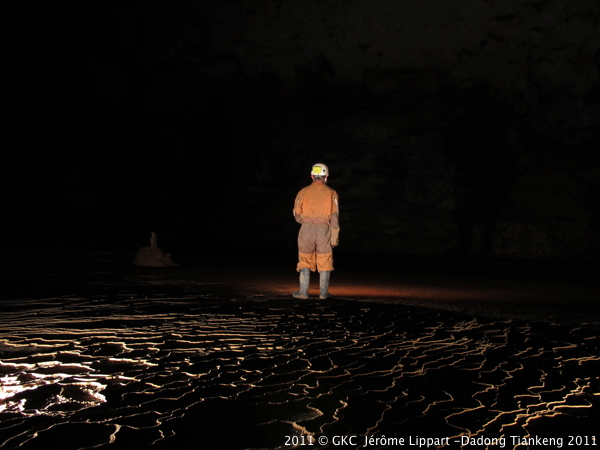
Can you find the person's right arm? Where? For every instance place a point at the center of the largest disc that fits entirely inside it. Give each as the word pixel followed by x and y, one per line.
pixel 335 222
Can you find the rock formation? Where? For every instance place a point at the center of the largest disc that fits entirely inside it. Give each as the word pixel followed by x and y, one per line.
pixel 153 256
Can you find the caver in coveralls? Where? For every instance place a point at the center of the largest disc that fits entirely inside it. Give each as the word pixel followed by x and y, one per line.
pixel 316 208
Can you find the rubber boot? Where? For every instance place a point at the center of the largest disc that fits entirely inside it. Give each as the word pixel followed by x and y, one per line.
pixel 304 280
pixel 324 285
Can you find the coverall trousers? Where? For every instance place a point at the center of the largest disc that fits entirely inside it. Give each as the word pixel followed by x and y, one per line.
pixel 314 247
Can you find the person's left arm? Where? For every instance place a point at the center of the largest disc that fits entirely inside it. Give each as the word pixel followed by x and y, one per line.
pixel 298 208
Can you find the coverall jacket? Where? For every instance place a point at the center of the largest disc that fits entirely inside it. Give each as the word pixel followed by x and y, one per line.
pixel 316 208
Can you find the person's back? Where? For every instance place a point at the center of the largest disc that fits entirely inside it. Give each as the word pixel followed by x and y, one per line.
pixel 316 208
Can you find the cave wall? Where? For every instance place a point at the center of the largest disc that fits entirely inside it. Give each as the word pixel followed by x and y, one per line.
pixel 449 127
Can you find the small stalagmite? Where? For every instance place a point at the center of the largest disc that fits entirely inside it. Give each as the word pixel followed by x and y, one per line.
pixel 153 256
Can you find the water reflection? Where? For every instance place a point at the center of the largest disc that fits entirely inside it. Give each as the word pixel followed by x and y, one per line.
pixel 162 371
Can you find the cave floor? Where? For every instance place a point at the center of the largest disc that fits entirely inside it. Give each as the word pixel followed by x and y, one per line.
pixel 217 350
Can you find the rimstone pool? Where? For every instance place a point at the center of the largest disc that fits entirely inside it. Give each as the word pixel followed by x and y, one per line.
pixel 95 357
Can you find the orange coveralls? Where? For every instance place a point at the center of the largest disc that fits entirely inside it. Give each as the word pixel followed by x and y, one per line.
pixel 316 208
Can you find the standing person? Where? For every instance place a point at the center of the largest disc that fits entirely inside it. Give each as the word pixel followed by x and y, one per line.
pixel 316 208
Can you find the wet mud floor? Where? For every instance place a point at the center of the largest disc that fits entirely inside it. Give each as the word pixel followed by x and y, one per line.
pixel 95 353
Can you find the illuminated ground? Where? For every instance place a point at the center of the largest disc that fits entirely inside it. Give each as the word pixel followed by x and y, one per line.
pixel 213 351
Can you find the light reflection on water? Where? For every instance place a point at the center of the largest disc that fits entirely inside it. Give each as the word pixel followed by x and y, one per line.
pixel 159 372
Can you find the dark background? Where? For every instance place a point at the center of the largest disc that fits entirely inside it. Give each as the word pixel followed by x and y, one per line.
pixel 450 128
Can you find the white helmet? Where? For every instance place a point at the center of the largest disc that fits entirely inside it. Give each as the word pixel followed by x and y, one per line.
pixel 319 170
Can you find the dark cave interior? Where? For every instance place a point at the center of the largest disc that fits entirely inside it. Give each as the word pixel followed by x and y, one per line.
pixel 464 130
pixel 463 140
